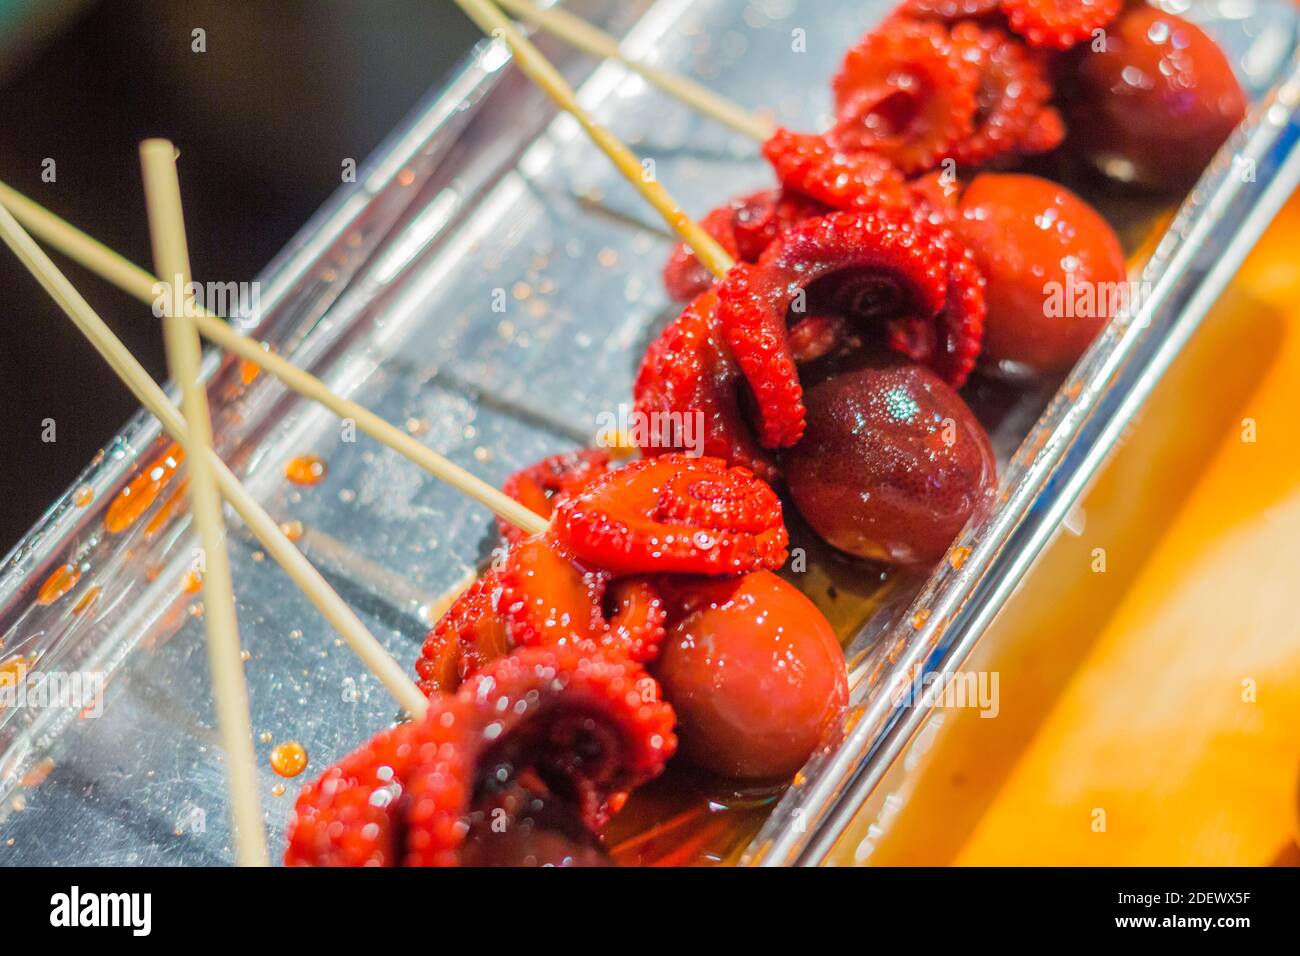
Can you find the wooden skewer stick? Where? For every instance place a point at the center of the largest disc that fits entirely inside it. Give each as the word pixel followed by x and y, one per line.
pixel 171 254
pixel 591 39
pixel 263 526
pixel 138 283
pixel 536 67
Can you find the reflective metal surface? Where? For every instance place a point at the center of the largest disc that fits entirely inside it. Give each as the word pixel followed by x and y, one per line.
pixel 491 283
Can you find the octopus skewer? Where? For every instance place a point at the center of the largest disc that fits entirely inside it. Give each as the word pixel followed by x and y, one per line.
pixel 634 614
pixel 830 323
pixel 653 589
pixel 897 236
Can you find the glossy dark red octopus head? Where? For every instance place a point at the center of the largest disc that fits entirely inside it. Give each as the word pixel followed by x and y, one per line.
pixel 1156 101
pixel 892 466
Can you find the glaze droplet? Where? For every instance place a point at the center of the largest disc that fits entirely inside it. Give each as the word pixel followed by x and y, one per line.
pixel 60 582
pixel 289 758
pixel 306 470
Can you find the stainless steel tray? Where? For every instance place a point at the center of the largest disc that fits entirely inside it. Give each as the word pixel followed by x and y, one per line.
pixel 484 196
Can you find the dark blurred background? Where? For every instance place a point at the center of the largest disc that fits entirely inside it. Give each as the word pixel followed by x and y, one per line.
pixel 286 90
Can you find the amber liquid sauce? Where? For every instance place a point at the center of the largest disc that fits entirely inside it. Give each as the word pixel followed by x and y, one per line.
pixel 62 580
pixel 288 759
pixel 134 500
pixel 168 509
pixel 306 470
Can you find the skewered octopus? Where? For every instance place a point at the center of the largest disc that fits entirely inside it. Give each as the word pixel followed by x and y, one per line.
pixel 914 249
pixel 545 709
pixel 542 724
pixel 891 257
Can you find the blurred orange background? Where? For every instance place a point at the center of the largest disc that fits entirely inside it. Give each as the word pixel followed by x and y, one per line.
pixel 1150 711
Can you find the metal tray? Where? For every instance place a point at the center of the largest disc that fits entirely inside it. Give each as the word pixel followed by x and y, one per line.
pixel 485 196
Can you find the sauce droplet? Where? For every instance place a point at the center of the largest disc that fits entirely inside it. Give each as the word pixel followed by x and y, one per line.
pixel 306 470
pixel 193 582
pixel 89 598
pixel 63 580
pixel 292 530
pixel 957 557
pixel 133 500
pixel 83 496
pixel 919 618
pixel 289 758
pixel 249 369
pixel 171 504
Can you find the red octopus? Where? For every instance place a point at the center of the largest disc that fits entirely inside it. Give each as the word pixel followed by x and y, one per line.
pixel 885 266
pixel 744 227
pixel 563 723
pixel 689 370
pixel 674 514
pixel 544 676
pixel 905 92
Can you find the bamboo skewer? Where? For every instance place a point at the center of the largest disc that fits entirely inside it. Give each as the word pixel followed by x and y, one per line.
pixel 138 283
pixel 181 339
pixel 536 67
pixel 263 526
pixel 591 39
